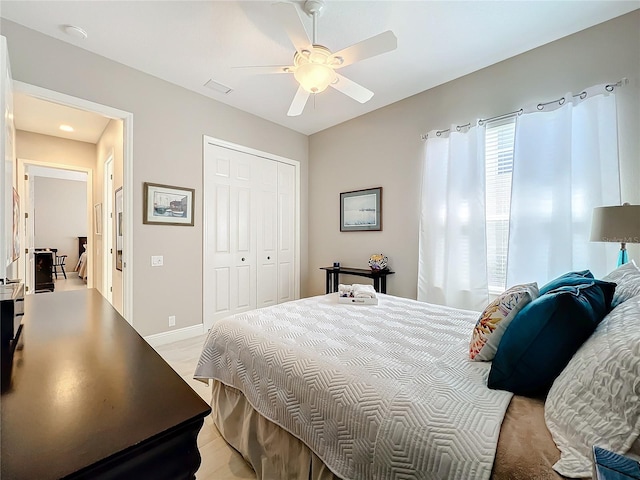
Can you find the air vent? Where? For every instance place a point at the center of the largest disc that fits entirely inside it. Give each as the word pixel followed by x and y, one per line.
pixel 218 87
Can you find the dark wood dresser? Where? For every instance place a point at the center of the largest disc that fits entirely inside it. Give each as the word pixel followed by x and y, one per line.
pixel 43 270
pixel 89 398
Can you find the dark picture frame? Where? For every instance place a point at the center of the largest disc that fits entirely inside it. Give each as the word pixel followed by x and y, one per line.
pixel 167 205
pixel 119 212
pixel 361 210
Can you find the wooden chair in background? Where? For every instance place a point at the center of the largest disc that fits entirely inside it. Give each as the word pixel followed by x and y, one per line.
pixel 59 263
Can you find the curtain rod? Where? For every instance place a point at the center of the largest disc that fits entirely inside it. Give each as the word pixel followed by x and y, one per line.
pixel 609 88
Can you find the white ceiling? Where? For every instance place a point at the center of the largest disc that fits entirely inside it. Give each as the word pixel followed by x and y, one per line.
pixel 35 115
pixel 190 42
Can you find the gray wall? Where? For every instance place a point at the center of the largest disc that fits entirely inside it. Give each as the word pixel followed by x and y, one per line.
pixel 383 148
pixel 168 125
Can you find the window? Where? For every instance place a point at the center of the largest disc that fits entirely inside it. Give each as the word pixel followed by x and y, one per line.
pixel 499 144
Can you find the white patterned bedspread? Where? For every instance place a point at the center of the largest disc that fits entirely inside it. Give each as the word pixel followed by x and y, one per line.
pixel 377 392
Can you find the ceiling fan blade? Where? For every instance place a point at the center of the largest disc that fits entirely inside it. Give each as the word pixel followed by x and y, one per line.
pixel 264 69
pixel 382 43
pixel 299 101
pixel 293 25
pixel 352 89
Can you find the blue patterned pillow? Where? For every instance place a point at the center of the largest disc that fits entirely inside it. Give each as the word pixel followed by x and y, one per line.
pixel 495 320
pixel 546 333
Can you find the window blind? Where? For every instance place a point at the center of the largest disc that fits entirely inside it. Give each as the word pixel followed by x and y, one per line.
pixel 499 145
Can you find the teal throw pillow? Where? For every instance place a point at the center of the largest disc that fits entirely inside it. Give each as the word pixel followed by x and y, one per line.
pixel 545 334
pixel 568 279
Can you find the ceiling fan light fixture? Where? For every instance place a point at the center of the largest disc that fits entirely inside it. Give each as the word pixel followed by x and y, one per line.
pixel 314 77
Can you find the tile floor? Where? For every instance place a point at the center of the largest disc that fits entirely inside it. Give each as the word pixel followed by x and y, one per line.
pixel 72 282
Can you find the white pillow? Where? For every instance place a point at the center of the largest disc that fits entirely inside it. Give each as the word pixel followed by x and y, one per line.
pixel 627 278
pixel 495 319
pixel 596 399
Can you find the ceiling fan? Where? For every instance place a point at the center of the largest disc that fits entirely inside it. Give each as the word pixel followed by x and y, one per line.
pixel 314 66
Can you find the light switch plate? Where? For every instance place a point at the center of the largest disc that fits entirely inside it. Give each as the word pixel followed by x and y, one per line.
pixel 157 260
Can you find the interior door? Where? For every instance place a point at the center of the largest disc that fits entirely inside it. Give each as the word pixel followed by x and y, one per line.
pixel 230 233
pixel 267 231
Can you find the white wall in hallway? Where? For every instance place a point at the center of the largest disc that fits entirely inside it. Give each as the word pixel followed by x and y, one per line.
pixel 60 216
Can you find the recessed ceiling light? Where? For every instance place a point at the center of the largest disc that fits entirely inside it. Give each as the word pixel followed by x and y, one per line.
pixel 66 128
pixel 74 31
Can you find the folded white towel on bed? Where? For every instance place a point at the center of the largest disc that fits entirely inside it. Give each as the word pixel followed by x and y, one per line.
pixel 363 291
pixel 345 290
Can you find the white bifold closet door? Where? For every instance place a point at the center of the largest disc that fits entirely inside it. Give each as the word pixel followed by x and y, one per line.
pixel 249 209
pixel 267 241
pixel 286 232
pixel 230 269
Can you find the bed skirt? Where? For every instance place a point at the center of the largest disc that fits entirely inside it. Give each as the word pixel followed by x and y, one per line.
pixel 525 450
pixel 272 451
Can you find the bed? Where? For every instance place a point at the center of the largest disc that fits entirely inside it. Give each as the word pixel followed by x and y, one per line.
pixel 81 266
pixel 315 389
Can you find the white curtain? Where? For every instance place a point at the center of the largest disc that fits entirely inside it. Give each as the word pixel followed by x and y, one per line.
pixel 565 163
pixel 452 265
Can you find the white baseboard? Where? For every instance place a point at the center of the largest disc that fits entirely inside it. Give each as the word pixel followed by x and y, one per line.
pixel 171 336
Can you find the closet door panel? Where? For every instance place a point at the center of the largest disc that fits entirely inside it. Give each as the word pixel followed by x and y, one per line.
pixel 221 291
pixel 243 224
pixel 219 230
pixel 267 221
pixel 230 259
pixel 286 232
pixel 243 235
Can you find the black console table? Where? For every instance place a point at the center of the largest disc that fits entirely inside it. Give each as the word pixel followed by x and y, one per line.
pixel 90 399
pixel 379 277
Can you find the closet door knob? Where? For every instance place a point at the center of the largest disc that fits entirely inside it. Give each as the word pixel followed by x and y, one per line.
pixel 243 259
pixel 268 258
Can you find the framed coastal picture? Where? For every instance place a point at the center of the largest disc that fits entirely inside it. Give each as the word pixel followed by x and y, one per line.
pixel 167 205
pixel 361 210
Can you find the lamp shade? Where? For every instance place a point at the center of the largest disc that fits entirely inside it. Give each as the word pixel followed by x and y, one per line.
pixel 619 224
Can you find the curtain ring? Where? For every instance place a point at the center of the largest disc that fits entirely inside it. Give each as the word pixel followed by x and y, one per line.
pixel 520 112
pixel 561 101
pixel 540 106
pixel 609 88
pixel 583 95
pixel 438 133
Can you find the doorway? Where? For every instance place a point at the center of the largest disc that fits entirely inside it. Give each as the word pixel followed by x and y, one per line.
pixel 95 250
pixel 56 199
